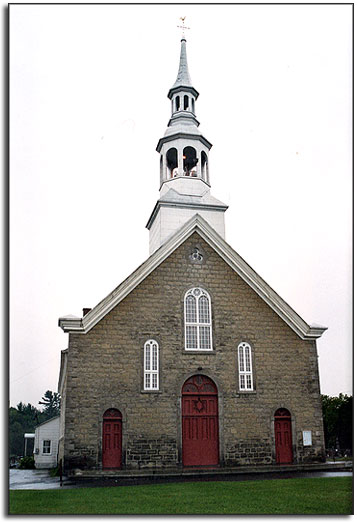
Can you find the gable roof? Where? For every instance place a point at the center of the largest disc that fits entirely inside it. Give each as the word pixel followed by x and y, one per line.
pixel 56 417
pixel 202 228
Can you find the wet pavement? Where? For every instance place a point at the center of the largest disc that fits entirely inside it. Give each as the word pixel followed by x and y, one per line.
pixel 33 479
pixel 40 479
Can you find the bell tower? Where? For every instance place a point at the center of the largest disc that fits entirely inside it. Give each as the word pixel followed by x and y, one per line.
pixel 184 166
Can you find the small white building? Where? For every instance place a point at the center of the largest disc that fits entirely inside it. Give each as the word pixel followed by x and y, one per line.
pixel 46 443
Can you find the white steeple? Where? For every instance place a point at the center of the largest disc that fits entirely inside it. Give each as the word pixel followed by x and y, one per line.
pixel 184 166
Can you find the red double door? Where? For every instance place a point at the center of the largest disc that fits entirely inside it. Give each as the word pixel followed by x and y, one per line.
pixel 200 441
pixel 112 439
pixel 283 439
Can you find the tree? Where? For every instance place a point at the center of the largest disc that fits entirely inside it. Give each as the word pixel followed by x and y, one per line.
pixel 337 417
pixel 25 417
pixel 344 428
pixel 22 419
pixel 52 404
pixel 16 439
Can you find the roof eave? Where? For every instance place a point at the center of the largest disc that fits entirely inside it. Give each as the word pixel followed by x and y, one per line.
pixel 71 325
pixel 184 116
pixel 315 332
pixel 178 135
pixel 179 88
pixel 47 421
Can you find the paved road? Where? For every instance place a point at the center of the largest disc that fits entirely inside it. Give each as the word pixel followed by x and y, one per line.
pixel 40 479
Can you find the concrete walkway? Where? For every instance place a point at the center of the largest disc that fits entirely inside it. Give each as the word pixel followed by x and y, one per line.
pixel 40 479
pixel 202 471
pixel 34 479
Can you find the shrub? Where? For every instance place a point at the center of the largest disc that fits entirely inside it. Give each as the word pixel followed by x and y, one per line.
pixel 27 463
pixel 54 472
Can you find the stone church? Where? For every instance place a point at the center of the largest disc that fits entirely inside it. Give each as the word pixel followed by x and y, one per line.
pixel 193 360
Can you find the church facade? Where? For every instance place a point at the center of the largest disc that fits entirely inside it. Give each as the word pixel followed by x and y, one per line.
pixel 193 360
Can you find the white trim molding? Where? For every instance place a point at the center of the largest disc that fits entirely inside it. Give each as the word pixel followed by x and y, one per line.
pixel 151 365
pixel 200 226
pixel 48 447
pixel 245 367
pixel 198 320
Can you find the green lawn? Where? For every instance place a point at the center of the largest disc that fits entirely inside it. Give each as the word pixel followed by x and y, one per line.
pixel 282 496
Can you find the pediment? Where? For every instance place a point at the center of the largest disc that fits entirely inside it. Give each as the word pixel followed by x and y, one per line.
pixel 198 225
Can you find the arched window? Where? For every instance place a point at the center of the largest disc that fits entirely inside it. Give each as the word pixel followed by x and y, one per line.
pixel 151 365
pixel 198 322
pixel 185 102
pixel 177 101
pixel 245 369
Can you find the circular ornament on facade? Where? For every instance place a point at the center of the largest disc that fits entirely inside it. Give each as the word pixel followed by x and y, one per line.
pixel 196 255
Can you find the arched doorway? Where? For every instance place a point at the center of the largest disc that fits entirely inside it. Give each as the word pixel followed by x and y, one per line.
pixel 283 439
pixel 112 437
pixel 200 445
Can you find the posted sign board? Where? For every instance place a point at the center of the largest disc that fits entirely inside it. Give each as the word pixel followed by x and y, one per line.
pixel 306 437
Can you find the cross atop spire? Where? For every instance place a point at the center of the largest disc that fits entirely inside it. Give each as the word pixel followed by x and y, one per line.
pixel 183 26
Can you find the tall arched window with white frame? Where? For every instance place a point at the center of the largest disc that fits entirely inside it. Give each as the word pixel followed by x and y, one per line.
pixel 198 321
pixel 245 368
pixel 151 365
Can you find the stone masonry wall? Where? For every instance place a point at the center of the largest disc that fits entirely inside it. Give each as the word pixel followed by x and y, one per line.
pixel 105 370
pixel 149 453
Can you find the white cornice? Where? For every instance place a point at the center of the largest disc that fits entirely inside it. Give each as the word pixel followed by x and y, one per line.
pixel 196 206
pixel 184 88
pixel 184 135
pixel 199 225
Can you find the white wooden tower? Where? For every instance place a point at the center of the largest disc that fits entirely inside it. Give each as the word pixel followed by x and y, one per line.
pixel 184 166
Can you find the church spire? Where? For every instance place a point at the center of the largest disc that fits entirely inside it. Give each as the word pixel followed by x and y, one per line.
pixel 184 166
pixel 179 157
pixel 183 84
pixel 183 76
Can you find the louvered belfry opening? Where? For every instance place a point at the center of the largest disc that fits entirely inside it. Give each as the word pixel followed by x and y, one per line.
pixel 172 162
pixel 190 161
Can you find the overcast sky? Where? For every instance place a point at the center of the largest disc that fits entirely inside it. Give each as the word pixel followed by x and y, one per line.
pixel 88 104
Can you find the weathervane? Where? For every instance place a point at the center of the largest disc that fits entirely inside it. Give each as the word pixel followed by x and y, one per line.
pixel 183 26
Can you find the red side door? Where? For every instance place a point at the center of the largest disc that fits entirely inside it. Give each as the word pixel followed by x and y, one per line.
pixel 283 438
pixel 200 444
pixel 112 443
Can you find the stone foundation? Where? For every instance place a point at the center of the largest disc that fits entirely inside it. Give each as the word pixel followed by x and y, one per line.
pixel 151 453
pixel 247 452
